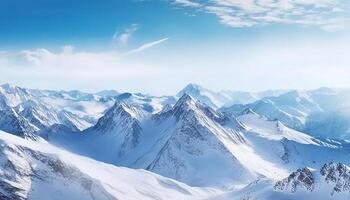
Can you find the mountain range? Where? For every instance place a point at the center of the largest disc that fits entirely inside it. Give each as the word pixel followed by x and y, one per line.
pixel 197 144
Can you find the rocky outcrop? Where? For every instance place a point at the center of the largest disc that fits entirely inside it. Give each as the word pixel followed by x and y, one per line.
pixel 302 178
pixel 337 174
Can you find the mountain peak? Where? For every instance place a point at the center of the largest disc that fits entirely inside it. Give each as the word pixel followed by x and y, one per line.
pixel 122 106
pixel 248 111
pixel 203 95
pixel 120 112
pixel 185 99
pixel 191 88
pixel 10 87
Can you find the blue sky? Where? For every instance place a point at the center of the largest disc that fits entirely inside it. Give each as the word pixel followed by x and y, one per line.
pixel 134 45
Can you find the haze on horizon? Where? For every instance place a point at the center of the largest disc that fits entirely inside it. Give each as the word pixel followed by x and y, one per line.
pixel 158 47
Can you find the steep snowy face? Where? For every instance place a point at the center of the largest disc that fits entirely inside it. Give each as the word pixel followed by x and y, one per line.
pixel 194 135
pixel 14 95
pixel 15 124
pixel 38 171
pixel 115 134
pixel 186 104
pixel 120 115
pixel 42 115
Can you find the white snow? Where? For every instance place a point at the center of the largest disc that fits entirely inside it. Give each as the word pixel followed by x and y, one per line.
pixel 116 182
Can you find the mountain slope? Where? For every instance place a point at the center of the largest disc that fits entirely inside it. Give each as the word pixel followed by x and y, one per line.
pixel 194 134
pixel 286 148
pixel 32 170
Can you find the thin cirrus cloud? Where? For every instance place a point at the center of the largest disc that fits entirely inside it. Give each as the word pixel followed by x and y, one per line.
pixel 123 37
pixel 329 15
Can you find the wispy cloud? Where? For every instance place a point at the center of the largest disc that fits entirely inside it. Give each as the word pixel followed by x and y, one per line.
pixel 146 46
pixel 188 3
pixel 77 64
pixel 122 38
pixel 329 15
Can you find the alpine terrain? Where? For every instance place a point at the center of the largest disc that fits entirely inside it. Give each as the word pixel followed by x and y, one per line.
pixel 197 144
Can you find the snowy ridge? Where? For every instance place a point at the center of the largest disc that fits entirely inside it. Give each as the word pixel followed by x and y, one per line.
pixel 42 116
pixel 13 123
pixel 224 98
pixel 321 113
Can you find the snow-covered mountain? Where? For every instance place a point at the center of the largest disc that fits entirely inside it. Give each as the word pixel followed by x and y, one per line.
pixel 44 108
pixel 321 113
pixel 13 123
pixel 172 142
pixel 212 99
pixel 192 134
pixel 74 109
pixel 179 139
pixel 252 151
pixel 42 115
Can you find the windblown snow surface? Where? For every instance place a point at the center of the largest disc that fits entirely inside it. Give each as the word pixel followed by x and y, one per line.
pixel 39 171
